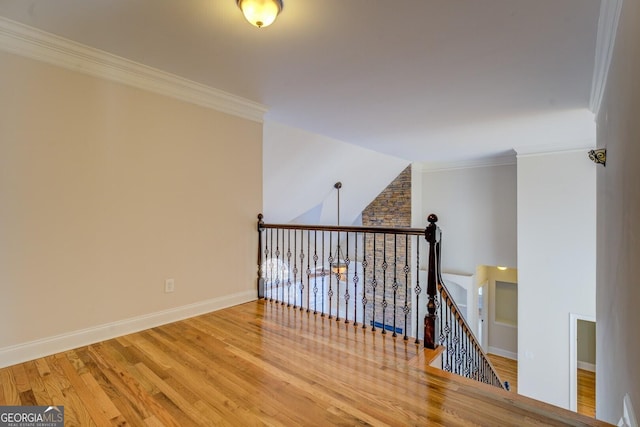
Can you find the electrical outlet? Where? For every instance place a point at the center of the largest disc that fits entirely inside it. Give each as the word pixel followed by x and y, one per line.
pixel 169 285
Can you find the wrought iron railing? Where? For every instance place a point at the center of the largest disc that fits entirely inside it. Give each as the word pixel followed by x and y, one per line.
pixel 371 277
pixel 463 354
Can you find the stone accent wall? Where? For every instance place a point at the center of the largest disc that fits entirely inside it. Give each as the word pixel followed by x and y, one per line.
pixel 392 208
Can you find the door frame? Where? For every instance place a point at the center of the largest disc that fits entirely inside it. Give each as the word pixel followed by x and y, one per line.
pixel 573 357
pixel 484 341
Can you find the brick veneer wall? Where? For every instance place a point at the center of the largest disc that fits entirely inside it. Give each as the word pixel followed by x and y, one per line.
pixel 392 208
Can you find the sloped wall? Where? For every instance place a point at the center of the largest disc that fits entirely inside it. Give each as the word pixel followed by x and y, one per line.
pixel 300 169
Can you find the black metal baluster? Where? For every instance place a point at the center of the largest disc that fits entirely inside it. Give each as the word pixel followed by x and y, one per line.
pixel 355 283
pixel 280 267
pixel 406 270
pixel 315 272
pixel 347 261
pixel 308 269
pixel 289 268
pixel 301 255
pixel 330 293
pixel 449 340
pixel 418 290
pixel 441 322
pixel 456 350
pixel 364 275
pixel 337 273
pixel 467 357
pixel 458 347
pixel 295 267
pixel 322 275
pixel 276 267
pixel 395 281
pixel 374 284
pixel 384 283
pixel 271 267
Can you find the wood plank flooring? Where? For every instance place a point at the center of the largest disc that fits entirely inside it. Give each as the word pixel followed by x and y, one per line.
pixel 508 371
pixel 587 393
pixel 261 363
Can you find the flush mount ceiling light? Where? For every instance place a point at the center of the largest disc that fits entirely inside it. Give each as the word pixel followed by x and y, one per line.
pixel 260 13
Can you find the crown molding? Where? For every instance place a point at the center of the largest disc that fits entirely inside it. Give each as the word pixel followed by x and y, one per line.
pixel 36 44
pixel 607 28
pixel 549 150
pixel 426 167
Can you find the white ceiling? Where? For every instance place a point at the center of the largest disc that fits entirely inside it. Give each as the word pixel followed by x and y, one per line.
pixel 424 80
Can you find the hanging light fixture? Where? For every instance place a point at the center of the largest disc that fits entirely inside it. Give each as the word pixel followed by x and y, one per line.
pixel 260 13
pixel 339 266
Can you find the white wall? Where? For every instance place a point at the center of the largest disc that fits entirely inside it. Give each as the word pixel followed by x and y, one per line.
pixel 106 191
pixel 476 208
pixel 300 169
pixel 618 288
pixel 556 266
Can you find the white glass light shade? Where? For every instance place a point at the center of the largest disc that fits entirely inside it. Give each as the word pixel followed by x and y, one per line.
pixel 260 13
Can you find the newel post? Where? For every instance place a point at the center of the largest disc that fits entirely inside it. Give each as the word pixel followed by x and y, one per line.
pixel 260 278
pixel 432 235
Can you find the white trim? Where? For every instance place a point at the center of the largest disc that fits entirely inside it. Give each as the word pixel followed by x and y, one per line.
pixel 36 44
pixel 46 346
pixel 426 167
pixel 506 324
pixel 585 366
pixel 573 357
pixel 504 353
pixel 545 150
pixel 607 28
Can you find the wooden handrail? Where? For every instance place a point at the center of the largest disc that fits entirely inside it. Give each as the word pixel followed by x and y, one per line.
pixel 347 228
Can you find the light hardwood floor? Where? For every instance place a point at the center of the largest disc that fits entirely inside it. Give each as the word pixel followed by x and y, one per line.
pixel 263 364
pixel 508 371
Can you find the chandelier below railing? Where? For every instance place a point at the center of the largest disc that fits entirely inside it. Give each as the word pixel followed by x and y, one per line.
pixel 340 264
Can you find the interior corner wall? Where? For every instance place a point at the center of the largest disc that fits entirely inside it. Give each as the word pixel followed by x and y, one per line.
pixel 106 191
pixel 618 230
pixel 476 208
pixel 556 266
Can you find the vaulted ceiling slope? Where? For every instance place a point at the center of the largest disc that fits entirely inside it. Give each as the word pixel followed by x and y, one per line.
pixel 422 80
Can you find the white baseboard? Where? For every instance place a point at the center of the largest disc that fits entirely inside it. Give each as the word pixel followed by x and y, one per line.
pixel 46 346
pixel 504 353
pixel 586 366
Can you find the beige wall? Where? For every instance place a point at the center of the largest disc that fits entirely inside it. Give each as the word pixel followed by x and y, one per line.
pixel 586 341
pixel 106 191
pixel 618 269
pixel 503 337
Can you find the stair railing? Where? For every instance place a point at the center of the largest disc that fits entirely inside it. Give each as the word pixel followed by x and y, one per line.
pixel 446 326
pixel 370 276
